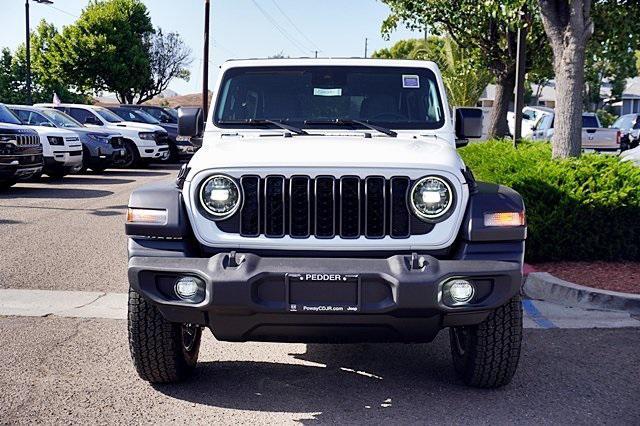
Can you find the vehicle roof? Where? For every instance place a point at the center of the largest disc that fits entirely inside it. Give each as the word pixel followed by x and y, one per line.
pixel 240 63
pixel 50 105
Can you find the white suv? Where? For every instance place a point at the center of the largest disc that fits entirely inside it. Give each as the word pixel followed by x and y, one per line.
pixel 61 149
pixel 142 142
pixel 327 203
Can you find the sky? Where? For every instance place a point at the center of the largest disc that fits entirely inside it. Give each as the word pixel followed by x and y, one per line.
pixel 239 28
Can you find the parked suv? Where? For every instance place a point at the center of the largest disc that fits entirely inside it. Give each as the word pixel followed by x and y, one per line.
pixel 164 115
pixel 20 152
pixel 142 142
pixel 327 204
pixel 101 149
pixel 177 149
pixel 62 150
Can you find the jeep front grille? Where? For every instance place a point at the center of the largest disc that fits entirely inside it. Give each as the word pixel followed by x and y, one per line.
pixel 25 140
pixel 325 207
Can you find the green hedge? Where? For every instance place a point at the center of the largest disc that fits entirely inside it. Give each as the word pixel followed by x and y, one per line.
pixel 577 209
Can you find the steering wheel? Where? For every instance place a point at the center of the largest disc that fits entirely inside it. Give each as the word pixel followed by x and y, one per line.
pixel 389 115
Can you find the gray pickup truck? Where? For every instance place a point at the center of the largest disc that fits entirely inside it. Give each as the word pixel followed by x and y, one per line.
pixel 594 136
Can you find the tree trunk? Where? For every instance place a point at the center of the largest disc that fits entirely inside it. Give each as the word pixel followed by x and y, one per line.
pixel 567 134
pixel 568 26
pixel 498 127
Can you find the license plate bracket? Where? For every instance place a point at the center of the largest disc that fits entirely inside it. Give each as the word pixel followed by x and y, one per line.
pixel 323 293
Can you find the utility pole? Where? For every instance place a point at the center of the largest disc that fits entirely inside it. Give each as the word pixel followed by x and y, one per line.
pixel 28 52
pixel 316 54
pixel 521 60
pixel 205 63
pixel 366 46
pixel 28 44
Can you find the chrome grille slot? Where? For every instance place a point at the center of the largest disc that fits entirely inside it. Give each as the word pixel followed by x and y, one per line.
pixel 325 207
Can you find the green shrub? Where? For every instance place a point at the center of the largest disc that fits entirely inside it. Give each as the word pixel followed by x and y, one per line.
pixel 577 209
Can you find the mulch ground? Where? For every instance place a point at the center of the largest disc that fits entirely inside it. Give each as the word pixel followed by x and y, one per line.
pixel 614 276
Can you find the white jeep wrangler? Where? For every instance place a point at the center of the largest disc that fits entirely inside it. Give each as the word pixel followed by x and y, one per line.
pixel 327 204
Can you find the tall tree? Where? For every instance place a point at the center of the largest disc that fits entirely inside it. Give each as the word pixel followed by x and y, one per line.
pixel 107 49
pixel 568 26
pixel 608 54
pixel 490 26
pixel 169 59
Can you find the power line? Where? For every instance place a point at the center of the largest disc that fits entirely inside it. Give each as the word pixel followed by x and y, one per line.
pixel 293 24
pixel 63 11
pixel 286 35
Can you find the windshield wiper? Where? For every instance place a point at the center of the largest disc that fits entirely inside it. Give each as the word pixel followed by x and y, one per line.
pixel 345 122
pixel 263 122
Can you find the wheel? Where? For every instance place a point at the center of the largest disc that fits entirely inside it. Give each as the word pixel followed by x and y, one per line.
pixel 486 355
pixel 162 351
pixel 131 155
pixel 6 184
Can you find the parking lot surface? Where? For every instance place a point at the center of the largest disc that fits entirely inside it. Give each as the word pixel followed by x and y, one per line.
pixel 53 369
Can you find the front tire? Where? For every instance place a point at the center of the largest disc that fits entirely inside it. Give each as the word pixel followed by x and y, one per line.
pixel 7 184
pixel 131 155
pixel 486 355
pixel 162 351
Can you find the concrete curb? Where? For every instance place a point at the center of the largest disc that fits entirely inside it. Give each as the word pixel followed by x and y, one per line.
pixel 544 286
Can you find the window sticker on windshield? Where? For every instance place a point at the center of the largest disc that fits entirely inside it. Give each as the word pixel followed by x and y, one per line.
pixel 410 81
pixel 326 92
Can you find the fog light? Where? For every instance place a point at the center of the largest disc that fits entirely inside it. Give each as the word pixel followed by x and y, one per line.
pixel 458 291
pixel 187 288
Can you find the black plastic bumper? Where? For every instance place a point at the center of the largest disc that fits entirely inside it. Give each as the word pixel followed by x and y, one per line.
pixel 398 298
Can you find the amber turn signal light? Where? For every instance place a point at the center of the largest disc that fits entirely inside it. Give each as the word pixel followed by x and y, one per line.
pixel 504 219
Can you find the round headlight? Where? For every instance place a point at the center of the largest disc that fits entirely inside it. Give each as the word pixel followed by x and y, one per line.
pixel 220 196
pixel 431 198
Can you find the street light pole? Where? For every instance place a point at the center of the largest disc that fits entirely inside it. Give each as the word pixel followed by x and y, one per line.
pixel 28 52
pixel 28 43
pixel 205 62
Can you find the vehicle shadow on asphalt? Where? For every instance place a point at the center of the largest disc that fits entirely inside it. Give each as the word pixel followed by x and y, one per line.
pixel 87 180
pixel 563 375
pixel 133 173
pixel 53 192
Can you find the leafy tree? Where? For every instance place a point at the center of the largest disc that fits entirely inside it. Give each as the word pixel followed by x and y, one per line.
pixel 569 26
pixel 107 49
pixel 489 27
pixel 464 78
pixel 169 58
pixel 607 54
pixel 46 79
pixel 638 61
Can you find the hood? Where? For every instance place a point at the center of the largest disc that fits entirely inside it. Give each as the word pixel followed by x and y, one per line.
pixel 326 152
pixel 138 126
pixel 15 129
pixel 53 131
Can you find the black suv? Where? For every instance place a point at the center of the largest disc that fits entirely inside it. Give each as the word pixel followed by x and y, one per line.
pixel 20 154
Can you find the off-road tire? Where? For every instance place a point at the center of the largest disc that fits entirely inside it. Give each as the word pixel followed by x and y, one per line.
pixel 132 156
pixel 486 355
pixel 157 345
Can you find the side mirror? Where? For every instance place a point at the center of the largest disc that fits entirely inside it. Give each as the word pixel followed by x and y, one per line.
pixel 468 125
pixel 190 122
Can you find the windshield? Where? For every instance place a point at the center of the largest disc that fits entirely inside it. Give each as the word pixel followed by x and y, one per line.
pixel 172 112
pixel 60 119
pixel 311 96
pixel 108 115
pixel 6 116
pixel 144 117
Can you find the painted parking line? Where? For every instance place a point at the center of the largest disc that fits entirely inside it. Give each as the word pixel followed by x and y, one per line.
pixel 534 314
pixel 88 304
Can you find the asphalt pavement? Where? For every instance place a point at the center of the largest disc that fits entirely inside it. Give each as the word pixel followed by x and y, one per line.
pixel 58 368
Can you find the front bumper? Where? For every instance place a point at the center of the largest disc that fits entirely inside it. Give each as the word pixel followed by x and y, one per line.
pixel 66 159
pixel 398 298
pixel 154 152
pixel 105 156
